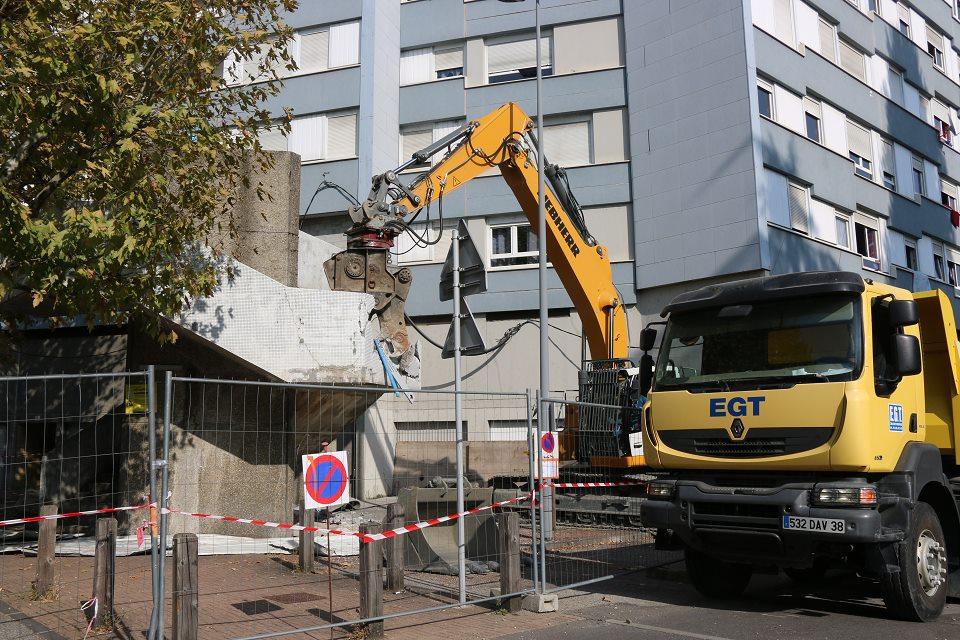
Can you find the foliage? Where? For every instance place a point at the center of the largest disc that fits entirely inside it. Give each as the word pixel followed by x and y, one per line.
pixel 122 147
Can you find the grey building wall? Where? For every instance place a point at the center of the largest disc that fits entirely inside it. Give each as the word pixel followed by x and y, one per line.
pixel 694 164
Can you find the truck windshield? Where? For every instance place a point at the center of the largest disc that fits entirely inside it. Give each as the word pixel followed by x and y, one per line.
pixel 815 339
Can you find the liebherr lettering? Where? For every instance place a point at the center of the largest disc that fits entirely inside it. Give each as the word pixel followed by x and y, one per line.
pixel 562 228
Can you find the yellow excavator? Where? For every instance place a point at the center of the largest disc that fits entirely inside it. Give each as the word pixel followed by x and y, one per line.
pixel 505 139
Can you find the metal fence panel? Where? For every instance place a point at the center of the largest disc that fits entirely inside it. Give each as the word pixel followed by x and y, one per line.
pixel 72 443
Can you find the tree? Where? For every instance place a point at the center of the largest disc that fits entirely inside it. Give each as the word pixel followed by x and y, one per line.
pixel 122 147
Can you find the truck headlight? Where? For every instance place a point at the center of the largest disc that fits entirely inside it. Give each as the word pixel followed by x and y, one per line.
pixel 845 496
pixel 661 490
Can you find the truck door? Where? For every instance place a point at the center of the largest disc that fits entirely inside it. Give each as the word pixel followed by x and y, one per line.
pixel 899 410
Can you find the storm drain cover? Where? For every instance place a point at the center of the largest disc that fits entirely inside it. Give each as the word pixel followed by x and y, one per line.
pixel 253 607
pixel 296 597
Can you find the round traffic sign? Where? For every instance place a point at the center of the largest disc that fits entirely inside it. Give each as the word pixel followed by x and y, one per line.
pixel 548 443
pixel 326 479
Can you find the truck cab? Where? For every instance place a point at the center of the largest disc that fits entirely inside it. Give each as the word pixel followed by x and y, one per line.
pixel 807 422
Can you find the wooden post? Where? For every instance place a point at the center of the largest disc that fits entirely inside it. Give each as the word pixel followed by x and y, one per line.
pixel 103 570
pixel 371 582
pixel 394 548
pixel 508 529
pixel 46 546
pixel 185 590
pixel 307 550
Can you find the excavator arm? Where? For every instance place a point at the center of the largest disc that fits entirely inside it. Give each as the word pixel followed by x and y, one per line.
pixel 504 139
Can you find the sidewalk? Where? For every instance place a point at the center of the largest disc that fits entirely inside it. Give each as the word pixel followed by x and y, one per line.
pixel 252 594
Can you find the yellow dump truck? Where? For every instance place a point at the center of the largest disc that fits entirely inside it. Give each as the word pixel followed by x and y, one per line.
pixel 809 422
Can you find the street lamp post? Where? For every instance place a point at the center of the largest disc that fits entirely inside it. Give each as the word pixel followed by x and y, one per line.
pixel 546 526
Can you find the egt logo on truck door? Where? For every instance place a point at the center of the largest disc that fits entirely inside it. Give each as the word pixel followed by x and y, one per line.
pixel 736 407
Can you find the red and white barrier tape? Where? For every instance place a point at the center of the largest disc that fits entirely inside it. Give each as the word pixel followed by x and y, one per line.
pixel 594 485
pixel 364 537
pixel 74 514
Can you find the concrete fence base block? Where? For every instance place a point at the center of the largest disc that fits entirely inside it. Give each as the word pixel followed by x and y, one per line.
pixel 540 603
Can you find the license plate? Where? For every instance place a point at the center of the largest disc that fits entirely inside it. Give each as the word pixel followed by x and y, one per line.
pixel 814 525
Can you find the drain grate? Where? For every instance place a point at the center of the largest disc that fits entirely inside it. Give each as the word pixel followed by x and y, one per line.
pixel 254 607
pixel 296 597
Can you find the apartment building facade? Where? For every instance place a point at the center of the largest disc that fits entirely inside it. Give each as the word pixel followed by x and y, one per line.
pixel 706 139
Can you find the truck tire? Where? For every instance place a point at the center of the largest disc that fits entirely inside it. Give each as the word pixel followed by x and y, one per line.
pixel 716 578
pixel 918 592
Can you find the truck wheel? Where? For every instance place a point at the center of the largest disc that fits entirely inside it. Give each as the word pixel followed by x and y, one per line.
pixel 716 578
pixel 918 592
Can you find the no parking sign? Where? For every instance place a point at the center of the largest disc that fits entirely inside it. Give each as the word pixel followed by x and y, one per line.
pixel 326 482
pixel 549 456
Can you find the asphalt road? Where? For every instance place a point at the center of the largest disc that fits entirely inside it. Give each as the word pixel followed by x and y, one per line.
pixel 664 606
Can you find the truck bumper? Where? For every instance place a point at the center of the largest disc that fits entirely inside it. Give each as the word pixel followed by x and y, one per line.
pixel 748 524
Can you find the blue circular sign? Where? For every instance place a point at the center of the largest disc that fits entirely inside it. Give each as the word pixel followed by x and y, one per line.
pixel 548 442
pixel 326 479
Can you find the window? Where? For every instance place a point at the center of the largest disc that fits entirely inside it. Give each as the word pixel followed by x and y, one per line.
pixel 512 245
pixel 935 47
pixel 938 267
pixel 415 245
pixel 812 115
pixel 943 128
pixel 895 80
pixel 919 185
pixel 903 15
pixel 317 137
pixel 567 144
pixel 948 195
pixel 853 61
pixel 910 251
pixel 314 50
pixel 861 150
pixel 843 231
pixel 867 236
pixel 448 62
pixel 799 208
pixel 888 172
pixel 517 60
pixel 828 40
pixel 765 98
pixel 431 63
pixel 952 269
pixel 413 139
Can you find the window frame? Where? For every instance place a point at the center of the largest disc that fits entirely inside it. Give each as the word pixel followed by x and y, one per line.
pixel 845 220
pixel 939 260
pixel 768 88
pixel 517 75
pixel 910 255
pixel 513 254
pixel 918 177
pixel 870 262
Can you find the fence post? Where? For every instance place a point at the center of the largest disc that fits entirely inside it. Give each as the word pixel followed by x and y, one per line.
pixel 307 551
pixel 46 546
pixel 371 583
pixel 394 547
pixel 103 570
pixel 508 533
pixel 185 588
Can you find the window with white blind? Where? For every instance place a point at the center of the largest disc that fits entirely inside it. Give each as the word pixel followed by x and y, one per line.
pixel 828 41
pixel 272 139
pixel 318 137
pixel 799 204
pixel 415 245
pixel 895 81
pixel 861 150
pixel 903 18
pixel 867 237
pixel 910 256
pixel 813 115
pixel 853 61
pixel 429 64
pixel 948 195
pixel 567 143
pixel 939 270
pixel 517 59
pixel 313 50
pixel 512 245
pixel 413 139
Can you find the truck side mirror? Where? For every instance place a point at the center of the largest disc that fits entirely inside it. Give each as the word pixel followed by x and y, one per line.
pixel 904 313
pixel 648 338
pixel 906 351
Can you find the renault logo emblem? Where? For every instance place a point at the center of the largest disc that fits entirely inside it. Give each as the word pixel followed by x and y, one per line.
pixel 737 429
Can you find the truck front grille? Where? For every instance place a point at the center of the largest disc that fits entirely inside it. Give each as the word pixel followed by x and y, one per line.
pixel 735 515
pixel 759 443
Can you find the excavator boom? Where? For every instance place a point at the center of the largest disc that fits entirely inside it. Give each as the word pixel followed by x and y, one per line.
pixel 504 139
